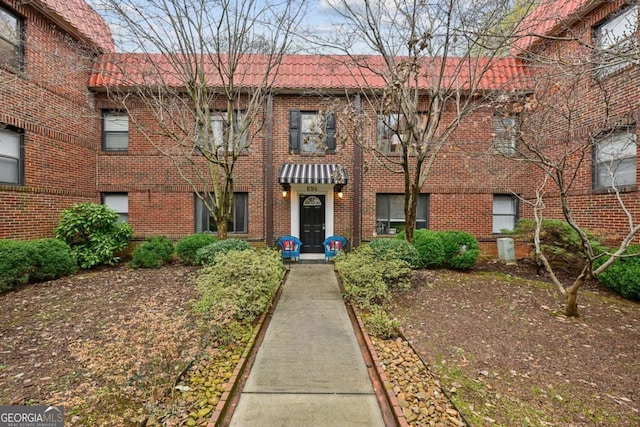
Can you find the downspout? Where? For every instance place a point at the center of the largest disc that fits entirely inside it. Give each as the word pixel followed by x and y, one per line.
pixel 268 178
pixel 357 181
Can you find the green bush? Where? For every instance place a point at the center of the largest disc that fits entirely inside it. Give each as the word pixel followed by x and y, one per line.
pixel 94 233
pixel 369 281
pixel 461 250
pixel 207 254
pixel 239 285
pixel 430 248
pixel 153 253
pixel 379 323
pixel 15 264
pixel 623 275
pixel 27 261
pixel 187 247
pixel 52 258
pixel 390 249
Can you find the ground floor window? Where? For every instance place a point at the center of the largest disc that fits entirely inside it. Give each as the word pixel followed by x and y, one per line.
pixel 11 156
pixel 119 202
pixel 390 213
pixel 505 212
pixel 239 222
pixel 614 159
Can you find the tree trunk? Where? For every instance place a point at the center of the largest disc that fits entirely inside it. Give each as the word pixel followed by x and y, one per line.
pixel 572 294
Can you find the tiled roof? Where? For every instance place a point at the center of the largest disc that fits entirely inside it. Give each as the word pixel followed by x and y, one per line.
pixel 78 16
pixel 306 72
pixel 549 18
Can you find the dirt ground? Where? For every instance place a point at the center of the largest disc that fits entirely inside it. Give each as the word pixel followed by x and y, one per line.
pixel 109 344
pixel 507 355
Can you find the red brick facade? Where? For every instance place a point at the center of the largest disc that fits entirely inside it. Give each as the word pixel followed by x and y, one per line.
pixel 65 163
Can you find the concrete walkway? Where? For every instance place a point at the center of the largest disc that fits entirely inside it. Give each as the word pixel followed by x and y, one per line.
pixel 309 370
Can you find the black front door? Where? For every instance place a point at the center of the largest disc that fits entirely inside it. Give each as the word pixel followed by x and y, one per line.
pixel 312 223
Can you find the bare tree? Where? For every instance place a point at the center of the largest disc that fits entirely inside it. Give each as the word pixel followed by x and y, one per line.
pixel 426 56
pixel 202 70
pixel 578 129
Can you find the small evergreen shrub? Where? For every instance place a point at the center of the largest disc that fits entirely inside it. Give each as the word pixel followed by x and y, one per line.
pixel 239 285
pixel 52 258
pixel 25 261
pixel 391 249
pixel 15 264
pixel 153 253
pixel 623 275
pixel 187 247
pixel 461 250
pixel 207 254
pixel 94 234
pixel 430 248
pixel 369 281
pixel 380 324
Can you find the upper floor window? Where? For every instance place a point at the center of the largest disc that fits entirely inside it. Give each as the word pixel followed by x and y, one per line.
pixel 11 52
pixel 225 134
pixel 119 202
pixel 390 213
pixel 239 222
pixel 506 130
pixel 11 157
pixel 393 129
pixel 614 159
pixel 312 132
pixel 115 131
pixel 505 212
pixel 616 40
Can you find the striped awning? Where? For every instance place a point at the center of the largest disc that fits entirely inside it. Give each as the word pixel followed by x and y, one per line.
pixel 295 173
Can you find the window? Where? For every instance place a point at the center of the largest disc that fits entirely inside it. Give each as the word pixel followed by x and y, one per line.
pixel 219 130
pixel 616 41
pixel 389 133
pixel 239 216
pixel 119 202
pixel 115 131
pixel 614 159
pixel 506 131
pixel 505 212
pixel 11 53
pixel 11 157
pixel 390 213
pixel 311 132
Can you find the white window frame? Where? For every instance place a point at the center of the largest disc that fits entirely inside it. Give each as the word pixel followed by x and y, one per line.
pixel 616 38
pixel 218 120
pixel 11 157
pixel 389 217
pixel 11 40
pixel 505 212
pixel 615 159
pixel 239 223
pixel 506 131
pixel 115 127
pixel 312 135
pixel 119 202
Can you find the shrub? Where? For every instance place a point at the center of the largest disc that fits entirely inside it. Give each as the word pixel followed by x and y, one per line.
pixel 430 248
pixel 153 253
pixel 207 254
pixel 22 262
pixel 187 247
pixel 93 233
pixel 369 281
pixel 52 258
pixel 15 264
pixel 379 323
pixel 390 249
pixel 623 275
pixel 239 285
pixel 461 250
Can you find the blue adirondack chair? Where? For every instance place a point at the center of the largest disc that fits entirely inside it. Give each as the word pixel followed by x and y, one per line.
pixel 333 245
pixel 290 247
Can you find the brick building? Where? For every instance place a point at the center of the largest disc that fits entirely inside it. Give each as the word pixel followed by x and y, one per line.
pixel 80 146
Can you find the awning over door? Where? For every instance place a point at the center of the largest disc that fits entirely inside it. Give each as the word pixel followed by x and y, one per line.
pixel 295 173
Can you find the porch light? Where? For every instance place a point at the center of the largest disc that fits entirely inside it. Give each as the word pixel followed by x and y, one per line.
pixel 284 194
pixel 340 194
